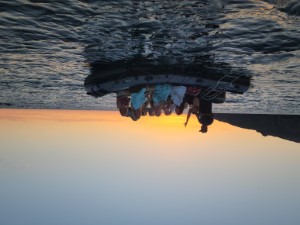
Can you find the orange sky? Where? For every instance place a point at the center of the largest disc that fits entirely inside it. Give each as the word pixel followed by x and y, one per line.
pixel 161 128
pixel 101 142
pixel 165 130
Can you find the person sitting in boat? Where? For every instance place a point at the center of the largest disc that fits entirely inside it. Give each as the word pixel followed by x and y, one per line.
pixel 123 101
pixel 157 109
pixel 194 107
pixel 145 106
pixel 168 106
pixel 177 94
pixel 179 109
pixel 150 111
pixel 191 97
pixel 193 91
pixel 160 95
pixel 138 99
pixel 133 114
pixel 205 115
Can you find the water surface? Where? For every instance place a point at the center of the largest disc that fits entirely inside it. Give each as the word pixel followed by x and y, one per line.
pixel 46 48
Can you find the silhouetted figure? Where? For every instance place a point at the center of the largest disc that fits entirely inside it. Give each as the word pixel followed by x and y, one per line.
pixel 191 97
pixel 168 106
pixel 157 110
pixel 205 115
pixel 123 102
pixel 177 94
pixel 133 114
pixel 139 103
pixel 194 108
pixel 160 94
pixel 138 99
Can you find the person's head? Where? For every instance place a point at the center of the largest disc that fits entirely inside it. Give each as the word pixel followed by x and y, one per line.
pixel 137 113
pixel 203 129
pixel 205 120
pixel 151 112
pixel 123 111
pixel 179 109
pixel 157 111
pixel 144 111
pixel 123 104
pixel 132 114
pixel 122 101
pixel 167 111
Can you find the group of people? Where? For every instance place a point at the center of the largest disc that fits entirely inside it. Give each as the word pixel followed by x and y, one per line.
pixel 164 98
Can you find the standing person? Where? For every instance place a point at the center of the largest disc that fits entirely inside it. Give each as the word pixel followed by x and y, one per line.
pixel 205 115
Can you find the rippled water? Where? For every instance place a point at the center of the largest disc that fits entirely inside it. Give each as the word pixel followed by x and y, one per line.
pixel 46 48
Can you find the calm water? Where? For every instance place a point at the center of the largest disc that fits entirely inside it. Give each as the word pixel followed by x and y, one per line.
pixel 46 48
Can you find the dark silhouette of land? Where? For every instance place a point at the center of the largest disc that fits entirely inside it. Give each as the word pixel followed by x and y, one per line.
pixel 283 126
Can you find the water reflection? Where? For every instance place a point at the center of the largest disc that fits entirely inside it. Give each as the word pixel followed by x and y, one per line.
pixel 147 89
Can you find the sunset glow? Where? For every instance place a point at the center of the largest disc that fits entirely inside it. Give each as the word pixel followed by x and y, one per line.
pixel 58 160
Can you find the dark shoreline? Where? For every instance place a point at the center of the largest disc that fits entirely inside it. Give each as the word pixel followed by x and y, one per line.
pixel 282 126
